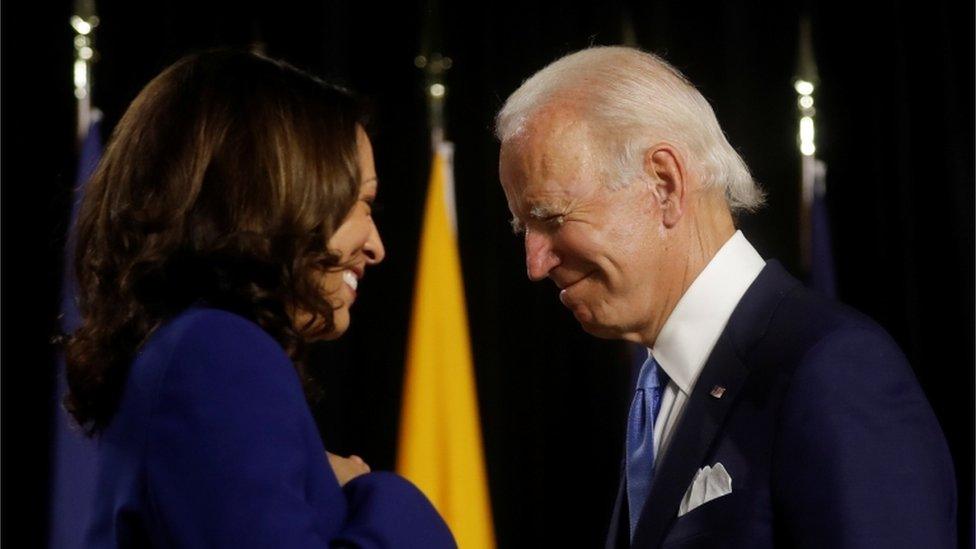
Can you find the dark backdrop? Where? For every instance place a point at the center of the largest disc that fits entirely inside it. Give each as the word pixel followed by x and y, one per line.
pixel 895 127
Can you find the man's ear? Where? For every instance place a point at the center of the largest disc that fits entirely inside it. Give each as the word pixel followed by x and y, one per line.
pixel 665 168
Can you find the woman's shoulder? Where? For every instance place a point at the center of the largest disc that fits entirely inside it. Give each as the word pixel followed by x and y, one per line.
pixel 200 356
pixel 205 355
pixel 203 318
pixel 210 335
pixel 208 327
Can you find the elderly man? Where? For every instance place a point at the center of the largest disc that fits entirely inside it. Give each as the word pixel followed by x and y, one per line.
pixel 764 415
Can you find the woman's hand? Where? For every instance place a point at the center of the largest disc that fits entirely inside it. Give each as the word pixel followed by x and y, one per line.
pixel 347 468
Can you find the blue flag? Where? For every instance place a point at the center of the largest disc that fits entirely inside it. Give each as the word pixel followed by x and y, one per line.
pixel 822 276
pixel 73 454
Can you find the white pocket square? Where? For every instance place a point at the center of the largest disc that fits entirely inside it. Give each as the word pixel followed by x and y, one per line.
pixel 710 482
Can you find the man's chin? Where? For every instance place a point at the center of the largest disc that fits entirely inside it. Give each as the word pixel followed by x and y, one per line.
pixel 594 326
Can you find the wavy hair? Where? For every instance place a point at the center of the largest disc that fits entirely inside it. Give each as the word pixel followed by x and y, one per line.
pixel 221 184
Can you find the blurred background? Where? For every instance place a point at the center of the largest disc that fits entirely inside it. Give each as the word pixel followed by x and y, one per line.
pixel 894 128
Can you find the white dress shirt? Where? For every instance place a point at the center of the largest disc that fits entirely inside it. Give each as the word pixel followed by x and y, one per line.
pixel 690 333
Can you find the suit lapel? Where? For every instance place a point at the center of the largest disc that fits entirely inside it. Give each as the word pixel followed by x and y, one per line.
pixel 704 414
pixel 619 534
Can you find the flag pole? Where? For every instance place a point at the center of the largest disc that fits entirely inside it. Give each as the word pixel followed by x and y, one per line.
pixel 805 84
pixel 815 241
pixel 435 67
pixel 440 443
pixel 84 22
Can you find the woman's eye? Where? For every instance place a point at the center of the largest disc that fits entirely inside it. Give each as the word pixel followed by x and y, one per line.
pixel 372 207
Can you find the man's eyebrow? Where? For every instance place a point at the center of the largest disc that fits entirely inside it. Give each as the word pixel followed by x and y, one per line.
pixel 517 226
pixel 544 211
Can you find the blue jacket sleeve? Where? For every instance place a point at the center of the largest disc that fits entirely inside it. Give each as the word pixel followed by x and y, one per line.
pixel 234 458
pixel 860 460
pixel 382 506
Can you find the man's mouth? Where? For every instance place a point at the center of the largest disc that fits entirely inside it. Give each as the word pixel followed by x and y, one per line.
pixel 563 285
pixel 565 288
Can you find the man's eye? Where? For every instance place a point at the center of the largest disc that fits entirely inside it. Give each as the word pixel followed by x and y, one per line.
pixel 555 220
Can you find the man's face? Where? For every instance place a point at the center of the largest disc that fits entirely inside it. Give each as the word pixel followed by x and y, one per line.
pixel 603 248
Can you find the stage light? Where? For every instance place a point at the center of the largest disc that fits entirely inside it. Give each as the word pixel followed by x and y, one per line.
pixel 80 25
pixel 81 74
pixel 806 136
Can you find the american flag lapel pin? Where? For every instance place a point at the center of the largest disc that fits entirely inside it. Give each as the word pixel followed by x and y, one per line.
pixel 717 391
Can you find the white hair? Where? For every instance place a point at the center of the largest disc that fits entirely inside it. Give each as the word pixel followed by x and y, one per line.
pixel 639 99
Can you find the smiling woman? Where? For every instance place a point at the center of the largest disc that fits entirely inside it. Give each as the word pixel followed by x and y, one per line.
pixel 227 225
pixel 357 243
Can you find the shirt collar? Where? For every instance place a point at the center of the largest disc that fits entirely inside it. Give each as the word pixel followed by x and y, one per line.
pixel 690 333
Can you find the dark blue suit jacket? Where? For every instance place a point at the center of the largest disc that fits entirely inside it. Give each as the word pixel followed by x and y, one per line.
pixel 214 446
pixel 823 428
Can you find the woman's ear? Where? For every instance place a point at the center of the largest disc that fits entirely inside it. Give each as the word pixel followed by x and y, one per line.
pixel 665 168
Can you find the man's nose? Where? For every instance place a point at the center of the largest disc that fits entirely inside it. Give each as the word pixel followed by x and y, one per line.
pixel 539 256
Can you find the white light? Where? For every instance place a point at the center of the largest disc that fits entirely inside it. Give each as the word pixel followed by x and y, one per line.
pixel 80 25
pixel 806 129
pixel 806 101
pixel 80 93
pixel 81 74
pixel 86 53
pixel 806 136
pixel 437 90
pixel 803 87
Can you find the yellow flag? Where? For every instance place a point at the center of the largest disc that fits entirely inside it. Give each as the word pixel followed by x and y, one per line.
pixel 440 434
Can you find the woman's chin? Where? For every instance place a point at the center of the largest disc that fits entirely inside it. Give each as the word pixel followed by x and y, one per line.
pixel 331 336
pixel 315 331
pixel 340 323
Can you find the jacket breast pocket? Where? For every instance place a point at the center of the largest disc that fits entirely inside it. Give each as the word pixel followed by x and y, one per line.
pixel 705 525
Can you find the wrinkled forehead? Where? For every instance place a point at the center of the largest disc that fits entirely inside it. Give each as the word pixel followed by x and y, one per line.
pixel 553 146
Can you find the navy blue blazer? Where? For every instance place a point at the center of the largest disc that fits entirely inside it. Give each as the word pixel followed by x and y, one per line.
pixel 823 428
pixel 214 445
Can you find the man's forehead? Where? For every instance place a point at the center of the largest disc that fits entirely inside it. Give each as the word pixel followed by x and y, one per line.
pixel 550 146
pixel 554 123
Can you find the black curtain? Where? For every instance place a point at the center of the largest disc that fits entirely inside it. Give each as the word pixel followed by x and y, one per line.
pixel 895 127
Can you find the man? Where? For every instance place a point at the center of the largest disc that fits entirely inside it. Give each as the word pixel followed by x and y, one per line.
pixel 765 415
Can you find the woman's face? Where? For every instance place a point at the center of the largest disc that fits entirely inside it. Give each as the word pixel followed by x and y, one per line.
pixel 357 241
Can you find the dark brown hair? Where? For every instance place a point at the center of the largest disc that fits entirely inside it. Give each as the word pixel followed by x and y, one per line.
pixel 221 184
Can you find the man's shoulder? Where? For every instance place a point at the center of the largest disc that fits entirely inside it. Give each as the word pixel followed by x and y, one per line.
pixel 808 310
pixel 813 348
pixel 779 316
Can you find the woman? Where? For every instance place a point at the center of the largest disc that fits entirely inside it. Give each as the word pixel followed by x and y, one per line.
pixel 227 225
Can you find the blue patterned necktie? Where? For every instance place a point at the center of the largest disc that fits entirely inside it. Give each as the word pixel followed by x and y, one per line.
pixel 640 437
